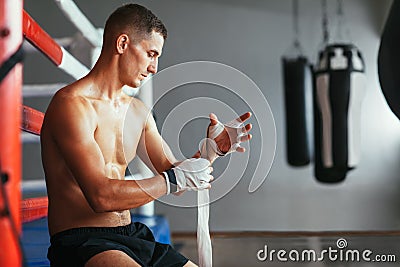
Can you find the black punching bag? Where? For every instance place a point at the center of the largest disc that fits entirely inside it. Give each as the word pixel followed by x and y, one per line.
pixel 389 58
pixel 297 87
pixel 339 87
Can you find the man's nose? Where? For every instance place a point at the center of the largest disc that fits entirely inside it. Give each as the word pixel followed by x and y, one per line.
pixel 153 66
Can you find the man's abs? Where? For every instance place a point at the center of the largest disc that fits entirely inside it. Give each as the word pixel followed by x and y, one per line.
pixel 68 206
pixel 70 209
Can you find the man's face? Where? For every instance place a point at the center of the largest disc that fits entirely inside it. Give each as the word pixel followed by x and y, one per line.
pixel 143 58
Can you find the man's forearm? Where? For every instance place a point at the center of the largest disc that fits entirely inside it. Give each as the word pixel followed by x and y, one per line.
pixel 119 195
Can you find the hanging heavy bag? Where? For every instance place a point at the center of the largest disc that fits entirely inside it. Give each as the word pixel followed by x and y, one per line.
pixel 297 93
pixel 296 79
pixel 339 87
pixel 388 59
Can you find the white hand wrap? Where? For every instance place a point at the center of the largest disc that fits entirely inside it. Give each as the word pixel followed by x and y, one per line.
pixel 194 174
pixel 209 148
pixel 190 174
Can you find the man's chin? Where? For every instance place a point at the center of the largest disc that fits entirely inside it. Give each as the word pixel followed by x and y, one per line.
pixel 135 84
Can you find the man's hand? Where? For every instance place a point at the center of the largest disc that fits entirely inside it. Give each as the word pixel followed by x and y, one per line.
pixel 190 174
pixel 223 139
pixel 233 134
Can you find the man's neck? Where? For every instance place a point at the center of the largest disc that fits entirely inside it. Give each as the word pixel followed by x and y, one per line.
pixel 105 79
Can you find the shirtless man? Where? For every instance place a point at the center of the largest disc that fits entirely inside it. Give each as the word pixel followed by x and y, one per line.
pixel 90 133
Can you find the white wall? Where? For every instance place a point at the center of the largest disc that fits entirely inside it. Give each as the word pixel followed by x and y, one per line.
pixel 251 36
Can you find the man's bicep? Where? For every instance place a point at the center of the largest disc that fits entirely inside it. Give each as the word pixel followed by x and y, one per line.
pixel 153 150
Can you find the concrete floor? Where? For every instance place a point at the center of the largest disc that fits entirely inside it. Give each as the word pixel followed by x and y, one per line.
pixel 240 250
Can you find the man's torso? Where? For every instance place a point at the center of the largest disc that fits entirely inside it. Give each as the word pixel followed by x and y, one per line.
pixel 119 125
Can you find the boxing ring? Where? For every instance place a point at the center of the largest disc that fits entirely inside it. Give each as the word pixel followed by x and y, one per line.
pixel 23 223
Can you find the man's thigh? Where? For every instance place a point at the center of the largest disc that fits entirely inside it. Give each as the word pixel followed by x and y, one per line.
pixel 111 258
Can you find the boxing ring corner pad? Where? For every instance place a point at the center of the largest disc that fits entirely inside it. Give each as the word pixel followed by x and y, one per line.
pixel 10 153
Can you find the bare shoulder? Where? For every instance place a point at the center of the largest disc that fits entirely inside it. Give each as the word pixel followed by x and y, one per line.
pixel 137 104
pixel 140 108
pixel 69 105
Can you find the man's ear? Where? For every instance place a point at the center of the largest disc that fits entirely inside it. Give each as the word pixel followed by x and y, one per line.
pixel 122 43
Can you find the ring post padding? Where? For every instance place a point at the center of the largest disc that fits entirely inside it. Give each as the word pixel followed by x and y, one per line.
pixel 10 152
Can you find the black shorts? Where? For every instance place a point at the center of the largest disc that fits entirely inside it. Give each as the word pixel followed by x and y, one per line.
pixel 74 247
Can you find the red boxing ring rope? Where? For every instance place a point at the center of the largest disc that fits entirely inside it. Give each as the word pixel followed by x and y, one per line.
pixel 41 40
pixel 56 53
pixel 34 208
pixel 32 120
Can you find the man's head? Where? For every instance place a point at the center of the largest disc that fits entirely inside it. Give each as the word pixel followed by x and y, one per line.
pixel 132 19
pixel 135 34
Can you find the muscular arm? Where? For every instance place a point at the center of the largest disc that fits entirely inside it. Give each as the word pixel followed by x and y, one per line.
pixel 73 123
pixel 152 148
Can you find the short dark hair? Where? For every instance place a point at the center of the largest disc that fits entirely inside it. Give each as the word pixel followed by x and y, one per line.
pixel 134 20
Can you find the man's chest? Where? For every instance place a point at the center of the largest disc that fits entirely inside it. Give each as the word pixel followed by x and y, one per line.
pixel 118 134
